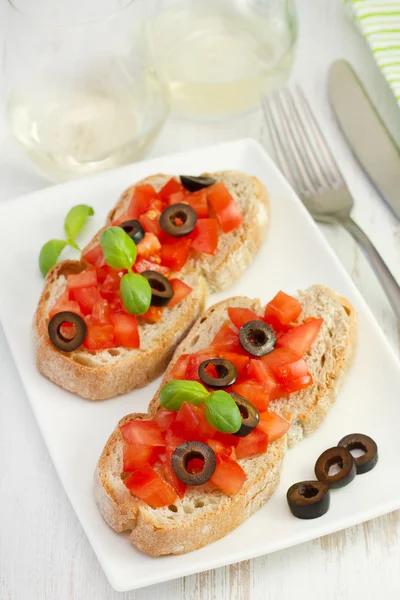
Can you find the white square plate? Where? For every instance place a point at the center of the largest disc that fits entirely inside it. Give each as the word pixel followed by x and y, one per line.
pixel 294 255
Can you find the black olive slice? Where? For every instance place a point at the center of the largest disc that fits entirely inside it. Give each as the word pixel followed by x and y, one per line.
pixel 134 229
pixel 193 184
pixel 308 499
pixel 336 456
pixel 161 289
pixel 257 338
pixel 358 441
pixel 67 344
pixel 184 453
pixel 249 413
pixel 178 219
pixel 227 372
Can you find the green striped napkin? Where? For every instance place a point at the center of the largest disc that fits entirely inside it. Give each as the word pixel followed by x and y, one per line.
pixel 379 22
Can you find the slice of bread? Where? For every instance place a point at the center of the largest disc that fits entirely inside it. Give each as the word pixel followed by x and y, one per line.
pixel 97 375
pixel 206 514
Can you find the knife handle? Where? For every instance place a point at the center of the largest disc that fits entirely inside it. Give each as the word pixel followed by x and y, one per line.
pixel 386 279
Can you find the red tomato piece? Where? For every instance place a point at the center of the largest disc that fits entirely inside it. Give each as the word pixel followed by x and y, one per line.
pixel 142 432
pixel 175 254
pixel 102 273
pixel 199 202
pixel 142 264
pixel 87 278
pixel 148 246
pixel 150 221
pixel 191 423
pixel 267 379
pixel 101 311
pixel 228 476
pixel 301 338
pixel 227 339
pixel 222 450
pixel 240 361
pixel 153 315
pixel 228 213
pixel 251 445
pixel 126 330
pixel 282 311
pixel 278 357
pixel 142 200
pixel 64 304
pixel 273 425
pixel 99 336
pixel 149 486
pixel 171 187
pixel 226 438
pixel 179 368
pixel 86 297
pixel 164 418
pixel 205 236
pixel 137 456
pixel 254 392
pixel 177 198
pixel 172 440
pixel 94 256
pixel 192 369
pixel 168 474
pixel 240 316
pixel 181 290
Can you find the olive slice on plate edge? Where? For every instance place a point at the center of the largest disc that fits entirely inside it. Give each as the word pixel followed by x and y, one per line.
pixel 186 452
pixel 257 338
pixel 358 441
pixel 185 213
pixel 227 372
pixel 249 413
pixel 58 340
pixel 340 456
pixel 161 289
pixel 134 229
pixel 308 499
pixel 194 184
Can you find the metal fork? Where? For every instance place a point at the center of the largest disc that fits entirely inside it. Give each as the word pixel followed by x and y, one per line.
pixel 306 160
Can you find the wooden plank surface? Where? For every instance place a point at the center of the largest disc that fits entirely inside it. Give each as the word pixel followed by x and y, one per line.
pixel 44 554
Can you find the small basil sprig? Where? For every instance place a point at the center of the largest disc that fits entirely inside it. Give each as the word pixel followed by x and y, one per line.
pixel 221 410
pixel 120 252
pixel 73 224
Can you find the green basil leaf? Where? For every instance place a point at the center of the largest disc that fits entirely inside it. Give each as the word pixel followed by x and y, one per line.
pixel 118 248
pixel 76 219
pixel 174 393
pixel 135 293
pixel 222 412
pixel 49 255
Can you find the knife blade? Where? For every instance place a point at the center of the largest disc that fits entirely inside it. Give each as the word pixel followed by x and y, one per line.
pixel 369 139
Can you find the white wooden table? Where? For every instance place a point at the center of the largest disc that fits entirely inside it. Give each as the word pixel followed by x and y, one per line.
pixel 44 554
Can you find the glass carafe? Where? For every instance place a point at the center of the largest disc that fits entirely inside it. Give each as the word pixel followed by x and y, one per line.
pixel 218 56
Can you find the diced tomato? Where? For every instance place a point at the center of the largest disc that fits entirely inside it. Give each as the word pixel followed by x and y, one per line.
pixel 227 339
pixel 195 360
pixel 142 199
pixel 240 316
pixel 126 330
pixel 64 304
pixel 137 456
pixel 101 311
pixel 199 202
pixel 228 213
pixel 172 440
pixel 263 374
pixel 205 236
pixel 228 476
pixel 86 297
pixel 191 423
pixel 254 392
pixel 240 361
pixel 195 465
pixel 171 187
pixel 164 418
pixel 153 315
pixel 278 357
pixel 282 311
pixel 99 335
pixel 150 221
pixel 142 264
pixel 177 198
pixel 273 425
pixel 181 290
pixel 179 368
pixel 251 445
pixel 142 432
pixel 222 450
pixel 168 474
pixel 294 376
pixel 102 273
pixel 301 338
pixel 148 246
pixel 149 486
pixel 80 280
pixel 226 438
pixel 94 256
pixel 110 286
pixel 175 254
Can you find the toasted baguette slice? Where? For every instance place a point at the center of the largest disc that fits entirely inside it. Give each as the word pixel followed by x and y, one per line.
pixel 205 514
pixel 97 375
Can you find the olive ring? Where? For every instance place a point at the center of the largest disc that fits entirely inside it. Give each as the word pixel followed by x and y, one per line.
pixel 194 184
pixel 184 213
pixel 358 441
pixel 184 453
pixel 161 289
pixel 336 456
pixel 61 342
pixel 257 338
pixel 134 229
pixel 308 499
pixel 226 371
pixel 249 413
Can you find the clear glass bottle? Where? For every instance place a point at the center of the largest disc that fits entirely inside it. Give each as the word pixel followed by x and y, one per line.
pixel 218 56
